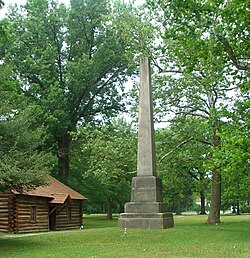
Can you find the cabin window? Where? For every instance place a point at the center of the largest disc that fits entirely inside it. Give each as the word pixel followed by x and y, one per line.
pixel 33 213
pixel 69 214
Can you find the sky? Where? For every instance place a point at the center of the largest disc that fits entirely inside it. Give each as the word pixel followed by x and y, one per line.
pixel 20 2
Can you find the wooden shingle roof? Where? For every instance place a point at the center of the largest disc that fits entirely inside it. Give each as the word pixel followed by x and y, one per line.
pixel 57 191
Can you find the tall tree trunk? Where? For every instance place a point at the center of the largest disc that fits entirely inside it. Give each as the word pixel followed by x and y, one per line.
pixel 178 207
pixel 63 145
pixel 121 207
pixel 203 203
pixel 109 209
pixel 214 214
pixel 238 206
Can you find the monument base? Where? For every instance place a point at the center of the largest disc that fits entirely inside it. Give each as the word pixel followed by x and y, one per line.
pixel 146 220
pixel 146 209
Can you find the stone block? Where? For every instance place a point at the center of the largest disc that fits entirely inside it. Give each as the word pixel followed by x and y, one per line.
pixel 146 188
pixel 145 207
pixel 146 220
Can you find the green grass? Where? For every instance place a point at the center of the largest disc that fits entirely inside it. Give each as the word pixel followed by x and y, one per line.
pixel 190 237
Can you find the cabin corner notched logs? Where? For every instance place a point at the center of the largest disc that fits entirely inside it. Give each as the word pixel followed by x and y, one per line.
pixel 51 207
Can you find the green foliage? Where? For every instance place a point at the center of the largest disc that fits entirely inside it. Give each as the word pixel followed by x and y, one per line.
pixel 106 159
pixel 1 26
pixel 201 62
pixel 62 77
pixel 197 208
pixel 20 170
pixel 70 63
pixel 23 161
pixel 245 208
pixel 10 93
pixel 134 28
pixel 233 156
pixel 183 150
pixel 208 27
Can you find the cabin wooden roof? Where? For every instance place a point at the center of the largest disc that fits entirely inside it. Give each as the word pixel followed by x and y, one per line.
pixel 56 191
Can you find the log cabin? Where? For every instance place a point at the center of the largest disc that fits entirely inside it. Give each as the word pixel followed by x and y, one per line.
pixel 54 206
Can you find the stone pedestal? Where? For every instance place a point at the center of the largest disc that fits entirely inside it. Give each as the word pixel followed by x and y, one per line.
pixel 146 209
pixel 146 220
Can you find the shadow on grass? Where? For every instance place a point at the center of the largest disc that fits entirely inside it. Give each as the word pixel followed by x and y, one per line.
pixel 19 244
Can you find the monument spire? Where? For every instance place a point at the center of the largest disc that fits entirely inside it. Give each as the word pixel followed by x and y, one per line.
pixel 146 209
pixel 146 143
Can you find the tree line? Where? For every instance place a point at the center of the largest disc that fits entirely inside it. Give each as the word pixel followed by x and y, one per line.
pixel 63 75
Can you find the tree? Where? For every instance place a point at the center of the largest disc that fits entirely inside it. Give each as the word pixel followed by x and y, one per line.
pixel 234 155
pixel 183 150
pixel 22 165
pixel 108 154
pixel 23 161
pixel 2 30
pixel 199 62
pixel 198 46
pixel 197 95
pixel 69 63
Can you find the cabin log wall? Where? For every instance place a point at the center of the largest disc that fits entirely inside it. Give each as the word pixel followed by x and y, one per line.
pixel 15 214
pixel 7 212
pixel 23 210
pixel 62 222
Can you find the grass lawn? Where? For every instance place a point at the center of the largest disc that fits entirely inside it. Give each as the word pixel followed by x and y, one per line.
pixel 190 237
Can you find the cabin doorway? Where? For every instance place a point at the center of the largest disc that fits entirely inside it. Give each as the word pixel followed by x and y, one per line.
pixel 52 218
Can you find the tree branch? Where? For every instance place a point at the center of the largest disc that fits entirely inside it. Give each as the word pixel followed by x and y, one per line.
pixel 193 175
pixel 94 95
pixel 231 53
pixel 106 108
pixel 35 79
pixel 177 147
pixel 203 141
pixel 86 91
pixel 191 112
pixel 215 95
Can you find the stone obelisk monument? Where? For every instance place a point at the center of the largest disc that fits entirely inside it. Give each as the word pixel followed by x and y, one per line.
pixel 146 209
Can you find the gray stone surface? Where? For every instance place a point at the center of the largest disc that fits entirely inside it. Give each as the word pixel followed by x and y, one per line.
pixel 146 142
pixel 146 209
pixel 146 221
pixel 146 189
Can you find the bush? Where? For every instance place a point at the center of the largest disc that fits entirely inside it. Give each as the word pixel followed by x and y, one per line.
pixel 245 208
